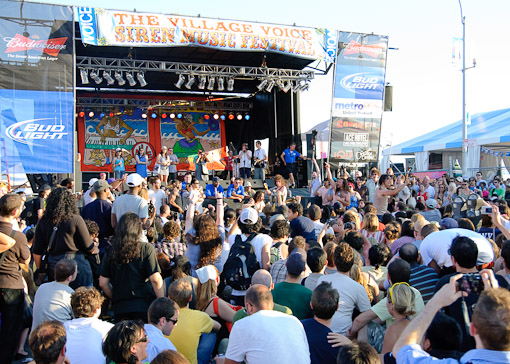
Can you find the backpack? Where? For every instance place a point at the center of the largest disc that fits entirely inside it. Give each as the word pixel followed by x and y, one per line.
pixel 29 214
pixel 241 264
pixel 275 253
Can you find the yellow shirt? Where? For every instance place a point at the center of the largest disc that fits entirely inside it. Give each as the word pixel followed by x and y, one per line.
pixel 186 334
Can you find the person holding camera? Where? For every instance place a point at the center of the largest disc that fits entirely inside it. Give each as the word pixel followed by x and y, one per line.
pixel 201 172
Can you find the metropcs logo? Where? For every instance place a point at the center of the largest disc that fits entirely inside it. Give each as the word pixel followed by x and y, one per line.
pixel 20 43
pixel 372 50
pixel 27 131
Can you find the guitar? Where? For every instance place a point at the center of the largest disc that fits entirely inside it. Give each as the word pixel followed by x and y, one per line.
pixel 258 163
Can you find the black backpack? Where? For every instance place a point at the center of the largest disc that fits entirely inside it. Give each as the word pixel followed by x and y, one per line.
pixel 241 264
pixel 29 214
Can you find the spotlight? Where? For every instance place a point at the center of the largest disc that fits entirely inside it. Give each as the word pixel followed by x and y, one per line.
pixel 221 82
pixel 154 115
pixel 280 84
pixel 164 115
pixel 201 84
pixel 207 116
pixel 111 114
pixel 239 116
pixel 181 81
pixel 270 86
pixel 287 87
pixel 222 117
pixel 91 114
pixel 230 84
pixel 120 80
pixel 141 79
pixel 262 85
pixel 130 79
pixel 144 115
pixel 216 116
pixel 84 76
pixel 82 114
pixel 305 87
pixel 247 116
pixel 172 115
pixel 191 81
pixel 179 116
pixel 210 85
pixel 108 77
pixel 231 116
pixel 95 77
pixel 101 115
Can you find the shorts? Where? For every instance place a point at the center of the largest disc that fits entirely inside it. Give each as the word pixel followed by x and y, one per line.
pixel 291 168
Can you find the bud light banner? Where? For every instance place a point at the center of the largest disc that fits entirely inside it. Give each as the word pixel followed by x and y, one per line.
pixel 358 97
pixel 36 88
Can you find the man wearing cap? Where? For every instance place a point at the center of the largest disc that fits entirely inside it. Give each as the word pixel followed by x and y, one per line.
pixel 290 292
pixel 259 162
pixel 212 189
pixel 100 211
pixel 131 201
pixel 89 195
pixel 431 213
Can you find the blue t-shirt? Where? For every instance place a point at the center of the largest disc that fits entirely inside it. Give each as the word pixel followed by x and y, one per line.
pixel 239 190
pixel 141 169
pixel 291 155
pixel 317 335
pixel 210 190
pixel 302 226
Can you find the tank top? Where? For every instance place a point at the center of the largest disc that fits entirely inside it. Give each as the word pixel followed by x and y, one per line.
pixel 381 203
pixel 354 202
pixel 121 167
pixel 141 169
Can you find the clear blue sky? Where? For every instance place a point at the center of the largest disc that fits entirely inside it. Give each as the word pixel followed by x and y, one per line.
pixel 427 89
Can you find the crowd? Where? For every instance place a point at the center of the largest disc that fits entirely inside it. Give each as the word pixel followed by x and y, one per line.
pixel 157 270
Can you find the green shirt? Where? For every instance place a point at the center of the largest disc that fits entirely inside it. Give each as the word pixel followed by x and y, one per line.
pixel 242 313
pixel 294 296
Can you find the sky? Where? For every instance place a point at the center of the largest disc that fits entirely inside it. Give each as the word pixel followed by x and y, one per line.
pixel 427 89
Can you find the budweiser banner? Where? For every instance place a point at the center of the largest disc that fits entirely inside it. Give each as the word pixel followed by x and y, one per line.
pixel 103 27
pixel 36 88
pixel 358 95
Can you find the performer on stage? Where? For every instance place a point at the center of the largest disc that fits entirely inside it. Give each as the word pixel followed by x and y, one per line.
pixel 259 162
pixel 164 165
pixel 245 163
pixel 228 162
pixel 119 168
pixel 142 162
pixel 201 171
pixel 289 157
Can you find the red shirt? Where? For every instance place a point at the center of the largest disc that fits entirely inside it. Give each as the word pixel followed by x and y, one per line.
pixel 229 161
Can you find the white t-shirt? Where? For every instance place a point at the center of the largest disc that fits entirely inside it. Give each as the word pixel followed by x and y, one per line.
pixel 86 197
pixel 259 154
pixel 318 228
pixel 316 184
pixel 431 191
pixel 268 337
pixel 85 336
pixel 245 159
pixel 436 245
pixel 352 295
pixel 157 342
pixel 157 198
pixel 126 203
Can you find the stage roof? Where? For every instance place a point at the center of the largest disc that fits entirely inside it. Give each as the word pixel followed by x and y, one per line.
pixel 490 129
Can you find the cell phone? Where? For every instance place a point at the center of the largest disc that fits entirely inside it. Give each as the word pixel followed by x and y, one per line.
pixel 471 283
pixel 486 210
pixel 332 221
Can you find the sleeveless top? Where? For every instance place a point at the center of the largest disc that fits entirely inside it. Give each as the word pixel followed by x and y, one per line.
pixel 381 203
pixel 354 202
pixel 141 169
pixel 121 167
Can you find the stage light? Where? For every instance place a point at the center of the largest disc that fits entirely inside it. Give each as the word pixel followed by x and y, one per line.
pixel 207 116
pixel 154 115
pixel 164 115
pixel 179 116
pixel 101 115
pixel 216 116
pixel 262 85
pixel 231 116
pixel 247 116
pixel 191 81
pixel 111 114
pixel 181 81
pixel 141 79
pixel 172 115
pixel 108 77
pixel 221 84
pixel 230 84
pixel 82 114
pixel 131 79
pixel 222 117
pixel 144 115
pixel 305 87
pixel 91 114
pixel 84 76
pixel 210 85
pixel 239 116
pixel 287 87
pixel 280 84
pixel 201 84
pixel 118 76
pixel 95 77
pixel 270 86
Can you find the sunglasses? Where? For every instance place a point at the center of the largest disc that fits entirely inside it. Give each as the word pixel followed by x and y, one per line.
pixel 392 287
pixel 173 321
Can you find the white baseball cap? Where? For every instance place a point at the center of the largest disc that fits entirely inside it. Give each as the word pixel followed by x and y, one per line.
pixel 134 180
pixel 92 181
pixel 249 216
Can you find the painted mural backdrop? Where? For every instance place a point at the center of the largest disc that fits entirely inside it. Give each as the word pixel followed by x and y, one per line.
pixel 102 134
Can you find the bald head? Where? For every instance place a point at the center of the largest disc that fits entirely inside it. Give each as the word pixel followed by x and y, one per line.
pixel 262 277
pixel 409 252
pixel 259 297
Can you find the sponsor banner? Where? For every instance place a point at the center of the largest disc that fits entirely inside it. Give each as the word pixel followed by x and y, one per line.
pixel 368 49
pixel 431 174
pixel 355 140
pixel 358 95
pixel 128 130
pixel 104 27
pixel 34 137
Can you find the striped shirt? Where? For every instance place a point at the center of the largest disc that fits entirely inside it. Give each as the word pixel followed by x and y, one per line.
pixel 424 279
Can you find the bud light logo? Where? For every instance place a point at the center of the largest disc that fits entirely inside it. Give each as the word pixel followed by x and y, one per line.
pixel 28 131
pixel 363 84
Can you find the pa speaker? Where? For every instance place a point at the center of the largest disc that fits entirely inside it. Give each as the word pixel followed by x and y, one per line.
pixel 388 98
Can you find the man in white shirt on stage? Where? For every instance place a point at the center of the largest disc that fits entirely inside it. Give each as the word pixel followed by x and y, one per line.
pixel 259 162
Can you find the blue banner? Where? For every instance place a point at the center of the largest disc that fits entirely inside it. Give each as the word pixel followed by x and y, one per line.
pixel 36 131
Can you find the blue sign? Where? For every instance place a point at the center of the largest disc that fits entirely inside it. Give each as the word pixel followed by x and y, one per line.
pixel 36 131
pixel 88 25
pixel 352 82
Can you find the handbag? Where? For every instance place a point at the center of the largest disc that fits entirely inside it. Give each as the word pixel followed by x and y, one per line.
pixel 41 274
pixel 205 171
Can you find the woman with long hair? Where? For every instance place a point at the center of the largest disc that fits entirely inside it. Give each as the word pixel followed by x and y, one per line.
pixel 371 230
pixel 164 164
pixel 130 274
pixel 119 168
pixel 71 239
pixel 142 161
pixel 126 343
pixel 279 192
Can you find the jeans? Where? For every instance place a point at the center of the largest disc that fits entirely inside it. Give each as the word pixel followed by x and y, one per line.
pixel 206 347
pixel 119 174
pixel 11 309
pixel 259 173
pixel 245 172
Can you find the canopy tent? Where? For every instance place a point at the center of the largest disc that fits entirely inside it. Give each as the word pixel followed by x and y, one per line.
pixel 490 130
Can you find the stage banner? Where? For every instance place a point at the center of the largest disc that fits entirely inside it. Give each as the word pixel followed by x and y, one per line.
pixel 102 27
pixel 129 130
pixel 36 88
pixel 358 96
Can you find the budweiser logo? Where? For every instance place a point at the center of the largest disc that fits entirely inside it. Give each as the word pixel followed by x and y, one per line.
pixel 371 50
pixel 19 43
